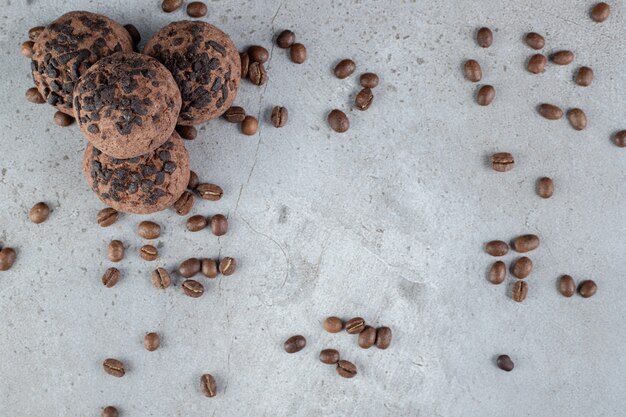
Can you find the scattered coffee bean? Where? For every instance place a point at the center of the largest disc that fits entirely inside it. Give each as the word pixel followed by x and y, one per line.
pixel 161 278
pixel 584 76
pixel 196 223
pixel 545 187
pixel 110 411
pixel 184 204
pixel 537 64
pixel 329 356
pixel 344 68
pixel 294 344
pixel 245 64
pixel 209 268
pixel 193 181
pixel 249 125
pixel 114 367
pixel 298 53
pixel 189 267
pixel 208 385
pixel 134 33
pixel 338 121
pixel 587 288
pixel 279 117
pixel 505 363
pixel 111 277
pixel 258 54
pixel 333 324
pixel 502 161
pixel 519 291
pixel 535 40
pixel 39 213
pixel 169 6
pixel 62 119
pixel 355 325
pixel 346 369
pixel 567 286
pixel 107 216
pixel 34 96
pixel 484 37
pixel 620 139
pixel 383 337
pixel 550 111
pixel 148 253
pixel 228 266
pixel 369 80
pixel 33 33
pixel 149 230
pixel 485 95
pixel 525 243
pixel 27 49
pixel 219 225
pixel 285 39
pixel 522 267
pixel 562 57
pixel 151 341
pixel 364 99
pixel 115 251
pixel 600 12
pixel 577 119
pixel 235 114
pixel 473 71
pixel 193 288
pixel 187 132
pixel 7 258
pixel 497 273
pixel 196 9
pixel 257 74
pixel 210 192
pixel 497 248
pixel 367 338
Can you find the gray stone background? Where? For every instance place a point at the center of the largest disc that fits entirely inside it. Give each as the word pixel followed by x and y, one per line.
pixel 387 221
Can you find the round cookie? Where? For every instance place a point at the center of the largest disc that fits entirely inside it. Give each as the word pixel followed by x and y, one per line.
pixel 127 104
pixel 67 47
pixel 205 64
pixel 143 184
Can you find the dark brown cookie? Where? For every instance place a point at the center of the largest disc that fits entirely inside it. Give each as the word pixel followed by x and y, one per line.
pixel 143 184
pixel 68 47
pixel 127 104
pixel 205 64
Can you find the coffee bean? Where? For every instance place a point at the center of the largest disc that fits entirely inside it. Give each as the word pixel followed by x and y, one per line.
pixel 115 251
pixel 210 192
pixel 258 54
pixel 27 49
pixel 584 76
pixel 148 253
pixel 620 139
pixel 502 161
pixel 134 33
pixel 333 324
pixel 525 243
pixel 577 119
pixel 497 248
pixel 587 288
pixel 298 53
pixel 249 125
pixel 473 71
pixel 189 267
pixel 161 278
pixel 219 225
pixel 107 216
pixel 600 12
pixel 329 356
pixel 294 344
pixel 235 114
pixel 535 40
pixel 208 385
pixel 346 369
pixel 33 33
pixel 279 117
pixel 545 187
pixel 519 291
pixel 383 337
pixel 169 6
pixel 34 96
pixel 111 277
pixel 497 273
pixel 110 411
pixel 39 213
pixel 7 258
pixel 151 341
pixel 484 37
pixel 567 286
pixel 367 338
pixel 209 268
pixel 193 181
pixel 369 80
pixel 149 230
pixel 285 39
pixel 187 132
pixel 485 95
pixel 550 111
pixel 257 73
pixel 338 121
pixel 245 64
pixel 537 64
pixel 364 99
pixel 344 68
pixel 522 267
pixel 228 266
pixel 62 119
pixel 196 9
pixel 184 204
pixel 505 363
pixel 193 288
pixel 114 367
pixel 562 57
pixel 355 325
pixel 196 223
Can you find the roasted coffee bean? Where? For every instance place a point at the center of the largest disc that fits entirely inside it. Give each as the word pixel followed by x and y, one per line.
pixel 184 204
pixel 187 132
pixel 545 187
pixel 473 71
pixel 525 243
pixel 346 369
pixel 148 253
pixel 39 213
pixel 107 216
pixel 193 181
pixel 219 225
pixel 298 53
pixel 149 230
pixel 249 125
pixel 110 411
pixel 7 258
pixel 257 73
pixel 562 57
pixel 355 325
pixel 169 6
pixel 567 286
pixel 577 119
pixel 497 273
pixel 502 161
pixel 134 33
pixel 505 363
pixel 333 324
pixel 485 95
pixel 151 341
pixel 285 39
pixel 584 76
pixel 369 80
pixel 189 267
pixel 600 12
pixel 294 344
pixel 235 114
pixel 161 278
pixel 115 251
pixel 279 117
pixel 114 367
pixel 535 40
pixel 196 223
pixel 62 119
pixel 245 64
pixel 344 68
pixel 383 337
pixel 338 121
pixel 587 288
pixel 484 37
pixel 363 99
pixel 209 268
pixel 27 49
pixel 329 356
pixel 519 291
pixel 208 385
pixel 550 111
pixel 196 9
pixel 497 248
pixel 193 288
pixel 620 139
pixel 258 54
pixel 210 192
pixel 522 267
pixel 367 338
pixel 111 277
pixel 34 96
pixel 228 266
pixel 537 64
pixel 33 33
